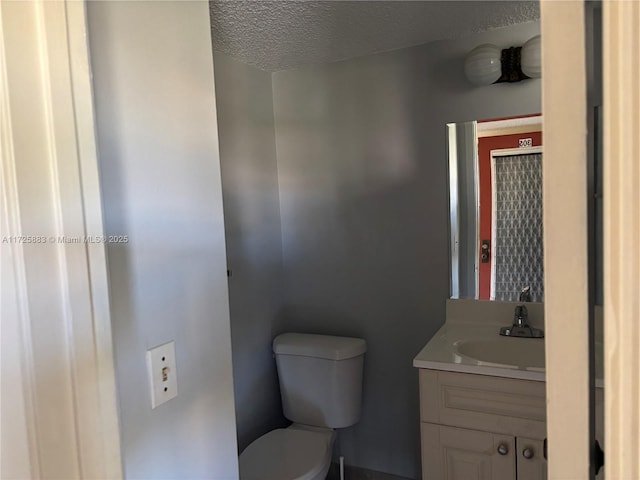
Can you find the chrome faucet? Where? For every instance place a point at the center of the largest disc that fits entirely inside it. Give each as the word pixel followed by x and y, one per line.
pixel 521 327
pixel 521 316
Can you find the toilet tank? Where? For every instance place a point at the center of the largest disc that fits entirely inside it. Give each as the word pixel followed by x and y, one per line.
pixel 320 378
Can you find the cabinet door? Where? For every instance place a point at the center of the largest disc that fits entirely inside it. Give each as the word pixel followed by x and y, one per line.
pixel 530 459
pixel 450 453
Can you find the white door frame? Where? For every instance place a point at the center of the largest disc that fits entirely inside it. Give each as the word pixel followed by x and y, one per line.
pixel 565 223
pixel 621 101
pixel 59 407
pixel 564 106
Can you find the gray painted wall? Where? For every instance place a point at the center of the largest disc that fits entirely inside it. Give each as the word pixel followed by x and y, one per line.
pixel 160 176
pixel 254 241
pixel 362 169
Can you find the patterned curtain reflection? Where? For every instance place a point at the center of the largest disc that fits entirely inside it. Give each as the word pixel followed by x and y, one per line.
pixel 517 213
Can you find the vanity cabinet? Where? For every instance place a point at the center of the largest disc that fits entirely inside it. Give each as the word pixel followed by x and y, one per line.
pixel 478 427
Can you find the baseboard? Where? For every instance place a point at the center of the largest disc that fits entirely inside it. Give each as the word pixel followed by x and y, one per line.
pixel 357 473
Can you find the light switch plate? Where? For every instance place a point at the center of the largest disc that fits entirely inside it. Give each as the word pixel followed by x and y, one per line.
pixel 163 376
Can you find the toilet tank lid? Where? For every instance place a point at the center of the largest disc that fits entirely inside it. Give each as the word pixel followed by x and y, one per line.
pixel 319 346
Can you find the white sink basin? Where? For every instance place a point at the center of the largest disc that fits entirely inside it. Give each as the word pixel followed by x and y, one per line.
pixel 479 349
pixel 514 352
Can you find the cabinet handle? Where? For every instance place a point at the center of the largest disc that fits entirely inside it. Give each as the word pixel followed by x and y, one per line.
pixel 527 453
pixel 503 449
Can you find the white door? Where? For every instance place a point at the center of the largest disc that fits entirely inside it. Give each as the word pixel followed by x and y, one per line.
pixel 565 242
pixel 58 405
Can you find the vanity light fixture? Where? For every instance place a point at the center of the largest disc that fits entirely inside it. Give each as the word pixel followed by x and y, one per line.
pixel 487 64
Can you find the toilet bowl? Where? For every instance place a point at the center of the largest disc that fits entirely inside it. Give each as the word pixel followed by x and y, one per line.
pixel 321 389
pixel 290 453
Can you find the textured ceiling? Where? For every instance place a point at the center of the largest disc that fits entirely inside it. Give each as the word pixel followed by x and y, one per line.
pixel 278 35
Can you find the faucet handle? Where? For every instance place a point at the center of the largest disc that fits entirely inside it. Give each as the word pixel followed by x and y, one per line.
pixel 525 294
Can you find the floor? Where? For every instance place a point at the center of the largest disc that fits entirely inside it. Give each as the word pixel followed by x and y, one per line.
pixel 355 473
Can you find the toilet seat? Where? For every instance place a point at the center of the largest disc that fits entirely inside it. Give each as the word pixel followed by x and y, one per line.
pixel 287 454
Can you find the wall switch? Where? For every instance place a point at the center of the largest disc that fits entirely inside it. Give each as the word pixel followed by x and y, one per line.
pixel 163 376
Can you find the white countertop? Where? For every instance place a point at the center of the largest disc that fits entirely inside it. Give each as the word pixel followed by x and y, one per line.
pixel 441 353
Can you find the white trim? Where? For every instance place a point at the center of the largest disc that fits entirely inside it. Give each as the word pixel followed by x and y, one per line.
pixel 510 126
pixel 508 152
pixel 492 281
pixel 93 226
pixel 510 122
pixel 454 210
pixel 49 19
pixel 16 329
pixel 476 187
pixel 621 76
pixel 565 224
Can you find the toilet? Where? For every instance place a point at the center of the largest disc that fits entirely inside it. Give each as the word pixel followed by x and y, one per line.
pixel 321 389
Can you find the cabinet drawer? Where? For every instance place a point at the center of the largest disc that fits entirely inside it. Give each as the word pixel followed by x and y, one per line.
pixel 481 402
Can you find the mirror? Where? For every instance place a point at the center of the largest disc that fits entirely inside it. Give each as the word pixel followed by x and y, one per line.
pixel 495 201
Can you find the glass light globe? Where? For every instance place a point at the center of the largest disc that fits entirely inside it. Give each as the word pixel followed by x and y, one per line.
pixel 531 58
pixel 482 65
